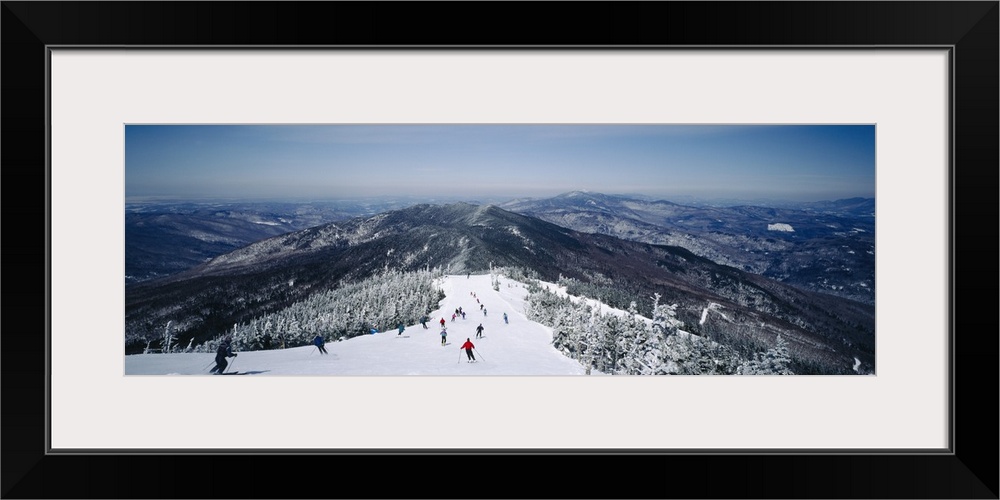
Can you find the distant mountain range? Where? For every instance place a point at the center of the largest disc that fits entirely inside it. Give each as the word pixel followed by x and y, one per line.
pixel 827 246
pixel 265 276
pixel 822 246
pixel 164 238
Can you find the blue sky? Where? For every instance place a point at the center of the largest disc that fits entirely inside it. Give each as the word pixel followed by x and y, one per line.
pixel 779 162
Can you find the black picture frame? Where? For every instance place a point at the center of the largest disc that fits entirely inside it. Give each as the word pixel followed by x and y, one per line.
pixel 969 28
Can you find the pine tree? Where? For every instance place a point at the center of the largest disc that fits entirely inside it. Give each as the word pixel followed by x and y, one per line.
pixel 167 340
pixel 594 340
pixel 635 352
pixel 774 361
pixel 695 355
pixel 648 352
pixel 665 320
pixel 627 339
pixel 612 327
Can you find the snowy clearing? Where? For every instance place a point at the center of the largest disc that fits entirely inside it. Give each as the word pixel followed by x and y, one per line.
pixel 712 306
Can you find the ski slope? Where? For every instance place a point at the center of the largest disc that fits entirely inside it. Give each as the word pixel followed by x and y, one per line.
pixel 521 347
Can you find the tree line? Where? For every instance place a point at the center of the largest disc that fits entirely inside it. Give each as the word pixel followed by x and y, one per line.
pixel 631 344
pixel 605 342
pixel 379 302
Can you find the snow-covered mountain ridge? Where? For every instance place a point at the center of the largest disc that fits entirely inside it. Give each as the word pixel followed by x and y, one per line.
pixel 270 275
pixel 828 247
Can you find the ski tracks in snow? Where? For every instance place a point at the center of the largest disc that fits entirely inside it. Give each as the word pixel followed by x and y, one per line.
pixel 521 347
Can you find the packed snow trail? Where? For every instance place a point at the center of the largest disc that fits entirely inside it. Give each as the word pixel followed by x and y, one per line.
pixel 521 347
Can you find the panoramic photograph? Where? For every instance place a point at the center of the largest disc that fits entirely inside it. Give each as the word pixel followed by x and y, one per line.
pixel 499 250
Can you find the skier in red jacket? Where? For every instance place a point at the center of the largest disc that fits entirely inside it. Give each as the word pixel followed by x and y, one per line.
pixel 468 349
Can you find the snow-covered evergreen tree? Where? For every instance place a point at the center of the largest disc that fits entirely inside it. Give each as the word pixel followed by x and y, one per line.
pixel 611 329
pixel 167 339
pixel 775 361
pixel 665 321
pixel 694 355
pixel 593 342
pixel 633 327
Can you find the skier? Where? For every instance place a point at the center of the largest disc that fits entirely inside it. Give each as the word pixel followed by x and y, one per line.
pixel 319 343
pixel 224 351
pixel 423 321
pixel 452 317
pixel 442 322
pixel 505 318
pixel 479 331
pixel 484 312
pixel 444 336
pixel 468 349
pixel 401 328
pixel 463 314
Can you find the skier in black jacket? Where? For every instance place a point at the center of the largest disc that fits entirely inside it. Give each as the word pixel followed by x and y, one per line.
pixel 224 351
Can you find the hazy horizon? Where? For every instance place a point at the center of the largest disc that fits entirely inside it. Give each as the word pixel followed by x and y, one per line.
pixel 293 163
pixel 444 200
